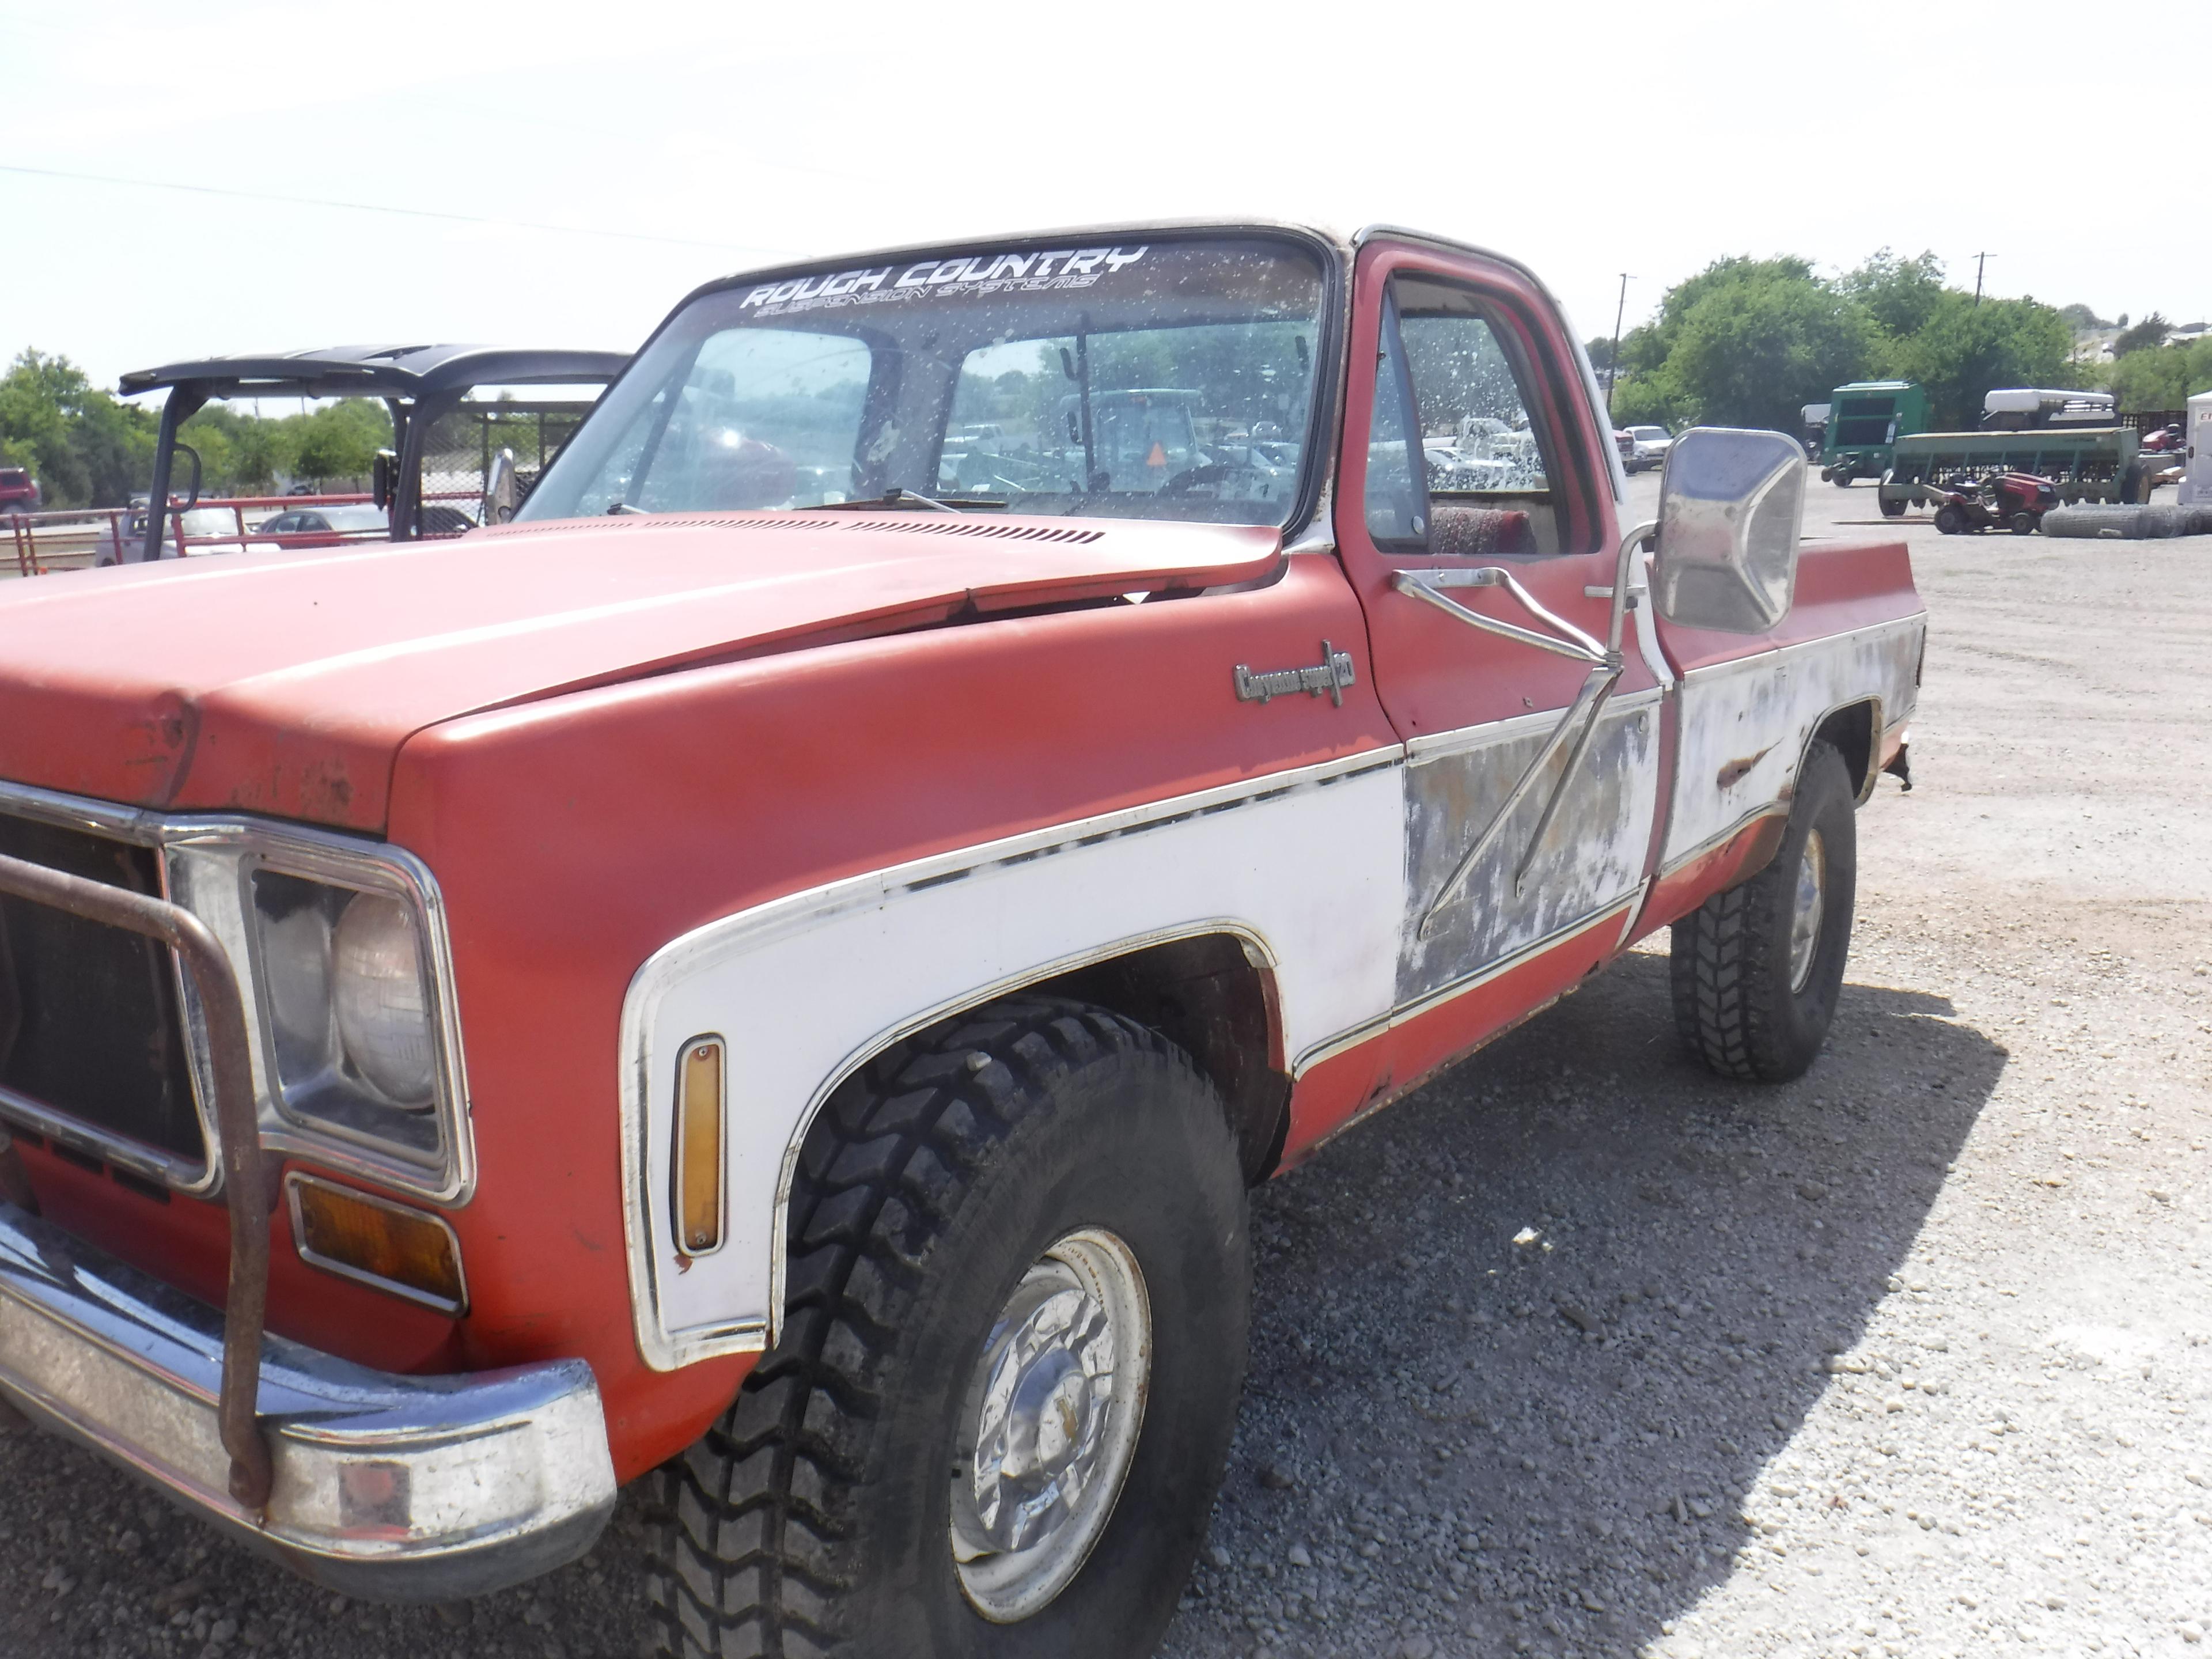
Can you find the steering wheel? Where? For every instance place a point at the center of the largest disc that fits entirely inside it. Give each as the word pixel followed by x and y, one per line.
pixel 1191 476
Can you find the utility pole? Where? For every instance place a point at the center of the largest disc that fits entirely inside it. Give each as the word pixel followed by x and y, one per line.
pixel 1980 259
pixel 1613 364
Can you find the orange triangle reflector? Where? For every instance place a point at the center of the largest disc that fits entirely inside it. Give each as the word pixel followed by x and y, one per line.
pixel 1159 455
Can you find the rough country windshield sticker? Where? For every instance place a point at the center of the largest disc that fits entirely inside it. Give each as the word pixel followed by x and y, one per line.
pixel 1166 376
pixel 973 273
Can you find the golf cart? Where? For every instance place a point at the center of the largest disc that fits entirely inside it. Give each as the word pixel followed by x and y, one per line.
pixel 450 447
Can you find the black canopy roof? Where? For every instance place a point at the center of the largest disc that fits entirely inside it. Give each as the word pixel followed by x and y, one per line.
pixel 378 371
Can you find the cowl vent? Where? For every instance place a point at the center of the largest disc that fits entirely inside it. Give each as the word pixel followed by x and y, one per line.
pixel 992 529
pixel 996 529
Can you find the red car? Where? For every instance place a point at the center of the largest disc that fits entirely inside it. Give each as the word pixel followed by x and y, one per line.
pixel 19 490
pixel 771 975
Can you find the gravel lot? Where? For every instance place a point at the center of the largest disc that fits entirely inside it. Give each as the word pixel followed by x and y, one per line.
pixel 1912 1357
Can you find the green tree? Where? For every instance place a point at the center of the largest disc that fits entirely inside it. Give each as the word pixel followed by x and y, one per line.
pixel 340 441
pixel 1898 295
pixel 2145 336
pixel 85 448
pixel 2166 377
pixel 1964 350
pixel 2079 318
pixel 1754 351
pixel 241 454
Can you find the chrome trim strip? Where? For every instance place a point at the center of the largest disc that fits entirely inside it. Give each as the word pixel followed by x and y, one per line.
pixel 1782 653
pixel 1635 909
pixel 228 844
pixel 1256 948
pixel 1343 1042
pixel 1713 843
pixel 663 1350
pixel 393 1488
pixel 1466 739
pixel 295 1180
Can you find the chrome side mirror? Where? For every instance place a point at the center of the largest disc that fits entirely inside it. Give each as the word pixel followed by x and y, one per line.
pixel 1731 511
pixel 501 494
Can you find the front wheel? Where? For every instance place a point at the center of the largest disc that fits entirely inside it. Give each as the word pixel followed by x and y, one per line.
pixel 1890 510
pixel 1949 520
pixel 1755 971
pixel 2023 524
pixel 1018 1308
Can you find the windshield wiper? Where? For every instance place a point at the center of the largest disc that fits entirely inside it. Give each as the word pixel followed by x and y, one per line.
pixel 895 497
pixel 622 509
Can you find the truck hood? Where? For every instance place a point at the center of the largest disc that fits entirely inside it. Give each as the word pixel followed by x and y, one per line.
pixel 285 682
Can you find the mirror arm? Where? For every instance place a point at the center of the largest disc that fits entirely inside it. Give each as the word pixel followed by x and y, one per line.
pixel 1427 586
pixel 1624 565
pixel 1580 719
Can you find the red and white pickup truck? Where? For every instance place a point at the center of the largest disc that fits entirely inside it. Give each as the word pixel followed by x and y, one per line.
pixel 772 972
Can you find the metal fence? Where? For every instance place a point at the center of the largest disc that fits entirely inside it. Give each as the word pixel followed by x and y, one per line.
pixel 73 538
pixel 457 455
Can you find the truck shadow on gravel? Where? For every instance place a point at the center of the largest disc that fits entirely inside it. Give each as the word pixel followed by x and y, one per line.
pixel 1453 1443
pixel 1586 1416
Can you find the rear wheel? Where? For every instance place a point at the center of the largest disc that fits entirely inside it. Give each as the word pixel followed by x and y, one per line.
pixel 1018 1308
pixel 1756 970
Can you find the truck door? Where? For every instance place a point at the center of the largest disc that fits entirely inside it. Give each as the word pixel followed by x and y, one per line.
pixel 1475 521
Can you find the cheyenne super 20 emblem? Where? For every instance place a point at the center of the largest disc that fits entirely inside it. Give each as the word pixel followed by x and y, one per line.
pixel 1333 674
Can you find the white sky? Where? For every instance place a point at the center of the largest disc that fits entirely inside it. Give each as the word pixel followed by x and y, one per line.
pixel 1585 139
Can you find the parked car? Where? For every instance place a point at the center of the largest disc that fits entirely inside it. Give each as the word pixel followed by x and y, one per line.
pixel 19 490
pixel 784 1003
pixel 1651 444
pixel 327 527
pixel 1625 441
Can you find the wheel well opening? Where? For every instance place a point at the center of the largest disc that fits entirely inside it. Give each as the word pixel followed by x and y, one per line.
pixel 1211 998
pixel 1851 731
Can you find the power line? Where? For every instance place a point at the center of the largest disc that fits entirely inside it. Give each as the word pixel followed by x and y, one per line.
pixel 378 207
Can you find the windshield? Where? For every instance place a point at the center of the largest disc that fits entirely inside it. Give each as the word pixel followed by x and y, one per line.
pixel 1648 434
pixel 1167 380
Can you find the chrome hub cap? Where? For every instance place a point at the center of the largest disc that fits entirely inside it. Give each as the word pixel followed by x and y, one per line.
pixel 1805 915
pixel 1049 1425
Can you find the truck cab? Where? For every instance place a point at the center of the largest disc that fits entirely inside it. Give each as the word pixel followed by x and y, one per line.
pixel 772 976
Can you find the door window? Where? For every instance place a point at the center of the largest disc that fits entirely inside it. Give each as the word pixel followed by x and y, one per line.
pixel 1397 509
pixel 1489 479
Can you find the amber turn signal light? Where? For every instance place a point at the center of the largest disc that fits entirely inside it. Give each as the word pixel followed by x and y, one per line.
pixel 408 1253
pixel 695 1161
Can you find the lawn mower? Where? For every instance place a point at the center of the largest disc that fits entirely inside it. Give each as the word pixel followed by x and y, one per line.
pixel 2014 501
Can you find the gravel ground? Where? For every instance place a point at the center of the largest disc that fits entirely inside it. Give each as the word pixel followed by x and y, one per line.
pixel 1581 1351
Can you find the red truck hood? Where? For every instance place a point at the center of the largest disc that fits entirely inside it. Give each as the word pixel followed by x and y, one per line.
pixel 285 682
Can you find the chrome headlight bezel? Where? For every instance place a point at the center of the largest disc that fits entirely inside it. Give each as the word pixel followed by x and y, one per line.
pixel 212 868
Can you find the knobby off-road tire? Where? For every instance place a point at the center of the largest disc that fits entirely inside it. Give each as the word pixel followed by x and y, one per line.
pixel 814 1517
pixel 1745 1002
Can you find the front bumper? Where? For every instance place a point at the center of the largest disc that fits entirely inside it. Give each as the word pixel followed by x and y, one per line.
pixel 395 1488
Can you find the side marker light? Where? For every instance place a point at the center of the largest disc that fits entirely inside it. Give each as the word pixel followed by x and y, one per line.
pixel 696 1160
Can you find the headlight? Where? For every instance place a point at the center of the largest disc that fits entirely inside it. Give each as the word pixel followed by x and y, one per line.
pixel 346 984
pixel 376 986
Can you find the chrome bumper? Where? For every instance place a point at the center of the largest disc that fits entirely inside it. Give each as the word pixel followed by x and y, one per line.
pixel 395 1488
